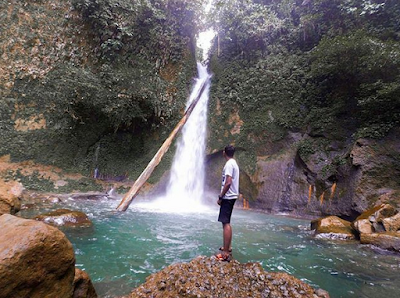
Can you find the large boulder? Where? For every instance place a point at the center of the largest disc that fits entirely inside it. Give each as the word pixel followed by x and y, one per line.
pixel 65 217
pixel 36 260
pixel 371 220
pixel 207 277
pixel 392 224
pixel 388 240
pixel 333 227
pixel 363 226
pixel 9 197
pixel 384 211
pixel 83 287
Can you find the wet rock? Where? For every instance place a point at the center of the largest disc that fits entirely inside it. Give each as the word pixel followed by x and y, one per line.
pixel 83 287
pixel 9 197
pixel 65 217
pixel 392 224
pixel 206 277
pixel 90 196
pixel 54 200
pixel 28 206
pixel 371 221
pixel 363 226
pixel 332 225
pixel 36 260
pixel 388 240
pixel 335 236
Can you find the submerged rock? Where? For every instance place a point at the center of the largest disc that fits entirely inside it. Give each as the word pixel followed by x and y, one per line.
pixel 333 227
pixel 65 217
pixel 36 260
pixel 208 277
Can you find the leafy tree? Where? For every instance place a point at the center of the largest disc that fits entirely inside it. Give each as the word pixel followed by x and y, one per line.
pixel 357 77
pixel 331 67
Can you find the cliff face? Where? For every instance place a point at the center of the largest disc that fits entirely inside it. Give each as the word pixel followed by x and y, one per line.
pixel 91 84
pixel 308 92
pixel 367 175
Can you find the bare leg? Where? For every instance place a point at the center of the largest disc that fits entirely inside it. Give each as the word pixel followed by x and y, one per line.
pixel 227 233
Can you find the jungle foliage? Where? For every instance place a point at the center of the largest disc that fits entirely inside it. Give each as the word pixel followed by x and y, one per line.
pixel 140 47
pixel 327 67
pixel 107 74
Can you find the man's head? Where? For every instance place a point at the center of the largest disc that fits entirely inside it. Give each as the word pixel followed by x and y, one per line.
pixel 229 151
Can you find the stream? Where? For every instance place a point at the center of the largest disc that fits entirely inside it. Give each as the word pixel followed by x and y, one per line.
pixel 122 249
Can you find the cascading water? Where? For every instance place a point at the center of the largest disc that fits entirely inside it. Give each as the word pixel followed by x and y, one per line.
pixel 185 191
pixel 96 158
pixel 186 185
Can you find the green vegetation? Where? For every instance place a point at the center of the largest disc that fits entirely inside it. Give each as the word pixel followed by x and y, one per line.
pixel 31 182
pixel 119 78
pixel 328 68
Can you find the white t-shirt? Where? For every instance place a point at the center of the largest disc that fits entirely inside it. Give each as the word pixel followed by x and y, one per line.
pixel 231 168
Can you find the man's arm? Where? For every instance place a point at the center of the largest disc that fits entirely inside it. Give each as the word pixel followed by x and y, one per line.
pixel 227 185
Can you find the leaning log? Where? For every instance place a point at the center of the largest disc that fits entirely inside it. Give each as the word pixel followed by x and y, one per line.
pixel 132 193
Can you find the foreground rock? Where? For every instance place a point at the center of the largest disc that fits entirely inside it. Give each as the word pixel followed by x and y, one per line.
pixel 83 287
pixel 208 277
pixel 65 217
pixel 333 227
pixel 9 197
pixel 36 260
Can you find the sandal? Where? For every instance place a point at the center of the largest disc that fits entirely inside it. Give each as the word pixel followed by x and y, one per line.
pixel 223 258
pixel 222 249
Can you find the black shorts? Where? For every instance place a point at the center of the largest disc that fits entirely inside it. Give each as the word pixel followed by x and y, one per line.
pixel 225 210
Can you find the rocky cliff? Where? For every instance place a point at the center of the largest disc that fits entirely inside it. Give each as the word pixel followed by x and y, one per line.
pixel 308 92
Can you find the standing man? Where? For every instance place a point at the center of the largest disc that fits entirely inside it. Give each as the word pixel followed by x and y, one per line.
pixel 226 199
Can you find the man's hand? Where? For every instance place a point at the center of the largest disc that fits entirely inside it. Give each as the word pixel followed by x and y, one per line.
pixel 219 201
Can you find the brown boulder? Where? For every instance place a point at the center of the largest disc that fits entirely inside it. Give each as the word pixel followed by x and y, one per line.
pixel 384 211
pixel 36 260
pixel 333 225
pixel 9 193
pixel 363 226
pixel 207 277
pixel 371 220
pixel 392 224
pixel 388 240
pixel 83 287
pixel 65 217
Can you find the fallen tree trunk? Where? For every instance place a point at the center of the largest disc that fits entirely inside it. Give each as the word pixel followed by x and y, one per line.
pixel 132 193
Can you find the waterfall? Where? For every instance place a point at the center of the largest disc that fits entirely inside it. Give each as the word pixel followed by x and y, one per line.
pixel 185 188
pixel 96 158
pixel 186 183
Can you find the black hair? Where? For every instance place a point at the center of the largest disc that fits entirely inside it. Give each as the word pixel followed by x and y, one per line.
pixel 229 150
